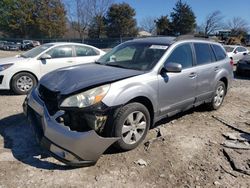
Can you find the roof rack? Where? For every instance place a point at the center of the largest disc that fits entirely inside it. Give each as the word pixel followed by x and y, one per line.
pixel 186 37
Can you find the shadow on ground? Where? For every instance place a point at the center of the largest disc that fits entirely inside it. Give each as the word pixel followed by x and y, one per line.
pixel 7 93
pixel 19 138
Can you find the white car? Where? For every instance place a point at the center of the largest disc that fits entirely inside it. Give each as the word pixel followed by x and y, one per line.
pixel 22 72
pixel 236 52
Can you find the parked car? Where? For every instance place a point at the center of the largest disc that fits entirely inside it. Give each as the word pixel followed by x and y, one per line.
pixel 12 46
pixel 2 44
pixel 243 66
pixel 35 43
pixel 21 73
pixel 236 52
pixel 78 112
pixel 27 44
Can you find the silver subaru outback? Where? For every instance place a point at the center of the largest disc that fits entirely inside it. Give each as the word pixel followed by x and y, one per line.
pixel 78 112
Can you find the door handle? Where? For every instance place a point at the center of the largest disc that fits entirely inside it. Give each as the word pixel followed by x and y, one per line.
pixel 192 75
pixel 70 61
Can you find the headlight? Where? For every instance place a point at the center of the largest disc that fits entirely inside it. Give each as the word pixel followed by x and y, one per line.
pixel 86 98
pixel 3 67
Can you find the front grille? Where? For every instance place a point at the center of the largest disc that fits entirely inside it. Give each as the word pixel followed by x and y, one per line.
pixel 1 79
pixel 50 99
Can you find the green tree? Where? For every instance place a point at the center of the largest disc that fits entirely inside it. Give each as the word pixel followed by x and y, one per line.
pixel 183 19
pixel 16 17
pixel 97 28
pixel 163 26
pixel 32 18
pixel 50 18
pixel 121 21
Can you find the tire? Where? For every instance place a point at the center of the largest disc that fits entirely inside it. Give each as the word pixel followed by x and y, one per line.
pixel 218 96
pixel 131 130
pixel 22 83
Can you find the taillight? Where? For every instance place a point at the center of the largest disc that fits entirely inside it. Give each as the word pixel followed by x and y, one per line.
pixel 231 61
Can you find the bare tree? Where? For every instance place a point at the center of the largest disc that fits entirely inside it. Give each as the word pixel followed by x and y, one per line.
pixel 148 24
pixel 82 12
pixel 213 22
pixel 238 25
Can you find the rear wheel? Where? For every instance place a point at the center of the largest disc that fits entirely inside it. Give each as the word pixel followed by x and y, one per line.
pixel 22 83
pixel 131 124
pixel 218 96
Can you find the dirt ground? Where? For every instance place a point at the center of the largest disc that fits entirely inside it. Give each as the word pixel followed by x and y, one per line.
pixel 188 154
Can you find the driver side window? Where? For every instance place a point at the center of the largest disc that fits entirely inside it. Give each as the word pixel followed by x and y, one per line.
pixel 183 55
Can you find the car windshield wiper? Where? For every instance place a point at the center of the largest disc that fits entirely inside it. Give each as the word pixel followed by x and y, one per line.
pixel 99 63
pixel 115 65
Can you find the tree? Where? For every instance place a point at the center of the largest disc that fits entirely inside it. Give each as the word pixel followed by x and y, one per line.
pixel 213 22
pixel 238 26
pixel 148 24
pixel 183 19
pixel 51 18
pixel 84 13
pixel 97 28
pixel 163 26
pixel 32 18
pixel 16 17
pixel 121 21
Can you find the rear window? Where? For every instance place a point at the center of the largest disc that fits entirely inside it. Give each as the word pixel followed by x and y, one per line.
pixel 219 52
pixel 204 53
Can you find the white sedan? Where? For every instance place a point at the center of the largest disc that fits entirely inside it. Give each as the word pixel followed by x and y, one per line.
pixel 21 73
pixel 236 52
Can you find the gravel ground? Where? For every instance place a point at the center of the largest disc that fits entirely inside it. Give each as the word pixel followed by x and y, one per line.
pixel 188 154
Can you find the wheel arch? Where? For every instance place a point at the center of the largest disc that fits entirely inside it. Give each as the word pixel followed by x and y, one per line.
pixel 225 81
pixel 148 104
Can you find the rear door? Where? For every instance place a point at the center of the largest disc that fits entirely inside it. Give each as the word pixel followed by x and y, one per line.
pixel 85 54
pixel 177 90
pixel 206 68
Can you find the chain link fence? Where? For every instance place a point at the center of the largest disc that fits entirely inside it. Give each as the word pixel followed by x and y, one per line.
pixel 99 42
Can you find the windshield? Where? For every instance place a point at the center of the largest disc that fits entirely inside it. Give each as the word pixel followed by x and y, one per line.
pixel 138 56
pixel 229 49
pixel 36 51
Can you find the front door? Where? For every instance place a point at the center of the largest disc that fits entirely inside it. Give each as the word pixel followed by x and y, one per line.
pixel 177 90
pixel 61 56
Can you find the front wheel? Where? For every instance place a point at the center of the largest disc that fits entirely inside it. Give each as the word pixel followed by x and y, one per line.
pixel 218 96
pixel 22 83
pixel 131 124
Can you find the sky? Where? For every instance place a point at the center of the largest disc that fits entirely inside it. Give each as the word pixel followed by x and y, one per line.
pixel 201 8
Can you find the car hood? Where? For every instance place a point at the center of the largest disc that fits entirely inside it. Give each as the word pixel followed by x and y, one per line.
pixel 8 60
pixel 72 79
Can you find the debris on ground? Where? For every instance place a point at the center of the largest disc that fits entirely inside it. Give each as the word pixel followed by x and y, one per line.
pixel 236 144
pixel 161 133
pixel 239 162
pixel 230 125
pixel 141 162
pixel 243 137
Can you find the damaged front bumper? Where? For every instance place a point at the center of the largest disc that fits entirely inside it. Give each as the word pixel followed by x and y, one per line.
pixel 68 146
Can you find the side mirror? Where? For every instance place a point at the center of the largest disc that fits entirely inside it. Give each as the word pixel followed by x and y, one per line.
pixel 45 56
pixel 235 51
pixel 173 67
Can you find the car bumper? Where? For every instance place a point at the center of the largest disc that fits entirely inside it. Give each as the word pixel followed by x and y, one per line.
pixel 70 147
pixel 5 80
pixel 243 69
